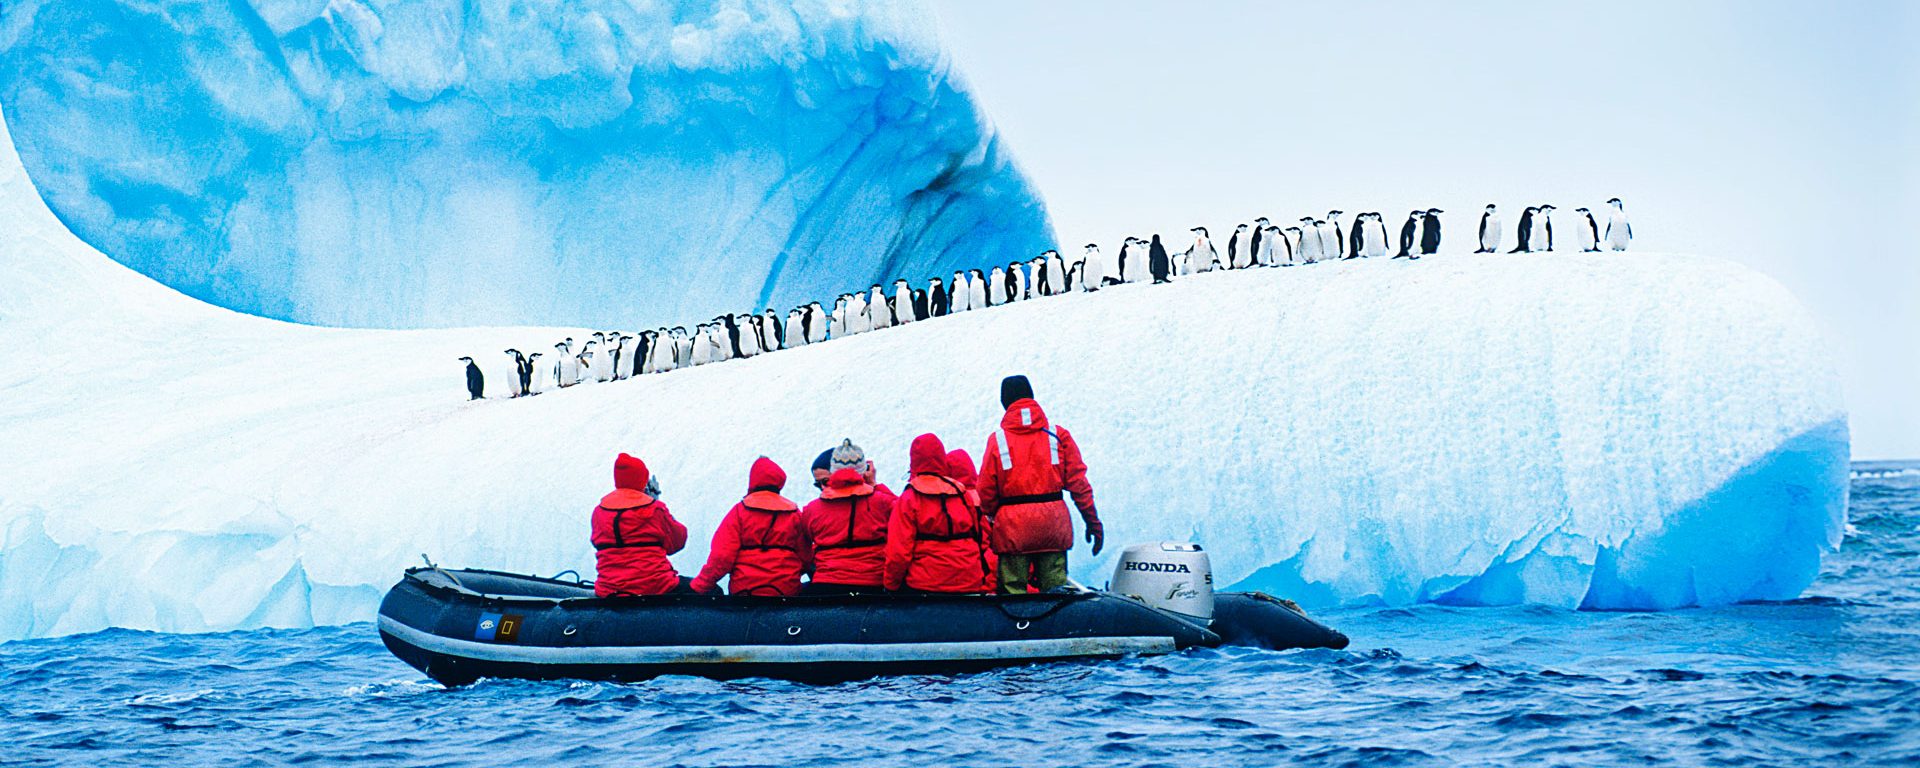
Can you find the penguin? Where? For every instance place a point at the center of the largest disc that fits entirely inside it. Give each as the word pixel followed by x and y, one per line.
pixel 476 385
pixel 1040 283
pixel 1523 234
pixel 1357 237
pixel 1239 246
pixel 1588 232
pixel 1430 232
pixel 1264 248
pixel 516 385
pixel 1489 230
pixel 1260 243
pixel 818 325
pixel 936 298
pixel 837 324
pixel 1056 273
pixel 1022 272
pixel 642 351
pixel 536 375
pixel 1543 229
pixel 1014 279
pixel 977 290
pixel 1327 243
pixel 1201 256
pixel 902 303
pixel 1290 237
pixel 766 331
pixel 718 346
pixel 588 358
pixel 996 287
pixel 683 347
pixel 879 309
pixel 1157 261
pixel 563 363
pixel 1128 261
pixel 1093 269
pixel 1338 251
pixel 959 294
pixel 617 357
pixel 1382 241
pixel 794 334
pixel 1619 232
pixel 922 309
pixel 1409 233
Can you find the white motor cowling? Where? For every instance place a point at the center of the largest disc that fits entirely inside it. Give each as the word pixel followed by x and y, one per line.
pixel 1170 575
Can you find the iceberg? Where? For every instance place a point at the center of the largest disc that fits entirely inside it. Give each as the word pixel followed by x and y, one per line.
pixel 1607 431
pixel 428 164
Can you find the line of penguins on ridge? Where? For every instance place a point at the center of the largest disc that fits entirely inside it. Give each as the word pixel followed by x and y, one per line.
pixel 612 355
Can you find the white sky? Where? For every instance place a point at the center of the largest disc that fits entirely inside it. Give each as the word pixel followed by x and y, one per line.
pixel 1782 135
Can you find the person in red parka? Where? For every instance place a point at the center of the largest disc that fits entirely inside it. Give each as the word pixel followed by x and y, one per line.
pixel 960 468
pixel 632 535
pixel 1028 464
pixel 758 546
pixel 936 538
pixel 847 526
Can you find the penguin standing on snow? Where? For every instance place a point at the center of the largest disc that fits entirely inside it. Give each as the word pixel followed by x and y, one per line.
pixel 1157 261
pixel 1430 232
pixel 476 384
pixel 1201 256
pixel 1489 230
pixel 1338 251
pixel 1328 242
pixel 976 290
pixel 1588 231
pixel 879 309
pixel 1409 234
pixel 921 310
pixel 796 328
pixel 772 336
pixel 1357 237
pixel 936 298
pixel 1093 268
pixel 1267 253
pixel 517 385
pixel 1381 240
pixel 536 376
pixel 1292 237
pixel 1523 234
pixel 1543 229
pixel 903 311
pixel 1130 257
pixel 1239 246
pixel 1260 247
pixel 1056 273
pixel 1619 232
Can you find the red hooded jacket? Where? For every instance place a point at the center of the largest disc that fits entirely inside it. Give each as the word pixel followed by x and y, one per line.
pixel 1020 486
pixel 632 535
pixel 758 546
pixel 847 528
pixel 936 539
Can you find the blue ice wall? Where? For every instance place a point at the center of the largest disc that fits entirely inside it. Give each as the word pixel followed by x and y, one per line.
pixel 428 163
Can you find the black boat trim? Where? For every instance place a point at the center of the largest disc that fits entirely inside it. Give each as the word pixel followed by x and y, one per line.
pixel 1047 648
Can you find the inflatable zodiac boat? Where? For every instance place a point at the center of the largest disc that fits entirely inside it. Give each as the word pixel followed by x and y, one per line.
pixel 457 626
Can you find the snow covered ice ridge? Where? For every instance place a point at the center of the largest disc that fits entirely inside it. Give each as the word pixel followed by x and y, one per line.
pixel 432 164
pixel 1609 431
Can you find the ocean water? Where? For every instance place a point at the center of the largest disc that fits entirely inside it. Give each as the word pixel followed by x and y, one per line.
pixel 1831 678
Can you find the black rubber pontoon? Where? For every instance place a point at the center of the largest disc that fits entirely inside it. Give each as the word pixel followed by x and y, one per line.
pixel 461 625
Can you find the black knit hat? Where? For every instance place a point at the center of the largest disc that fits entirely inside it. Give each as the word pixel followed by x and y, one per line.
pixel 824 462
pixel 1014 388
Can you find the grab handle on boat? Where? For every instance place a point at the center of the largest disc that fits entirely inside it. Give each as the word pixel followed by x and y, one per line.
pixel 442 571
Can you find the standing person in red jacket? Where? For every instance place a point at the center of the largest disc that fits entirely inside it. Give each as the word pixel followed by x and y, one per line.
pixel 936 539
pixel 758 546
pixel 847 526
pixel 1027 466
pixel 632 535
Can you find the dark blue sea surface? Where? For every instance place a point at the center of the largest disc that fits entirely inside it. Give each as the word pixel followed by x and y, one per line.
pixel 1832 678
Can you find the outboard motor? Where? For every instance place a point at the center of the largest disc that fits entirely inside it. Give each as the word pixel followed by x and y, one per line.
pixel 1170 575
